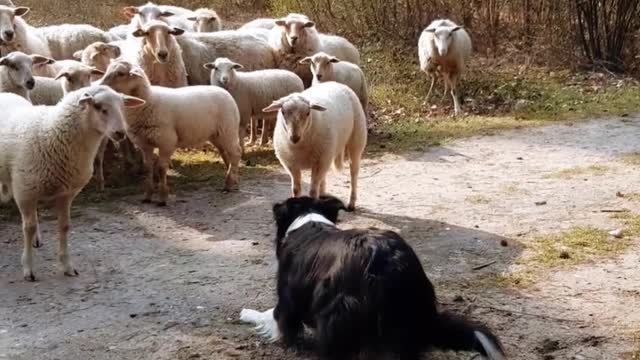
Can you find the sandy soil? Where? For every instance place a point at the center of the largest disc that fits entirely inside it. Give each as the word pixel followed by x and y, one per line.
pixel 170 283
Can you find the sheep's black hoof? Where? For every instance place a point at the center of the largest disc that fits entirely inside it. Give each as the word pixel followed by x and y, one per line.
pixel 37 244
pixel 73 273
pixel 30 278
pixel 162 204
pixel 146 201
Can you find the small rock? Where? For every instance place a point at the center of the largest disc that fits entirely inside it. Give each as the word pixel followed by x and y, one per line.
pixel 133 316
pixel 618 233
pixel 564 254
pixel 458 299
pixel 520 158
pixel 620 194
pixel 504 243
pixel 541 203
pixel 255 243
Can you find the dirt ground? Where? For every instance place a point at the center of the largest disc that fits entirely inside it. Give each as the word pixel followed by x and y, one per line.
pixel 170 283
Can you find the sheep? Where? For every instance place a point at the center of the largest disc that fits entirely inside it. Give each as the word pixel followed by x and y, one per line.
pixel 317 128
pixel 295 37
pixel 445 46
pixel 46 153
pixel 156 50
pixel 98 55
pixel 120 32
pixel 244 48
pixel 264 23
pixel 139 16
pixel 70 78
pixel 329 68
pixel 206 20
pixel 16 35
pixel 8 3
pixel 52 70
pixel 16 74
pixel 253 91
pixel 176 118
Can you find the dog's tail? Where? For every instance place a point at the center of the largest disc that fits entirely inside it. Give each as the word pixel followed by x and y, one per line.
pixel 454 332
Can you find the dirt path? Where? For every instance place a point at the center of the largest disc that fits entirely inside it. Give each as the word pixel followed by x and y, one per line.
pixel 169 283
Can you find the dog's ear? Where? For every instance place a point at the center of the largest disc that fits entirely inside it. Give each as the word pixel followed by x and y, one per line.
pixel 279 211
pixel 330 207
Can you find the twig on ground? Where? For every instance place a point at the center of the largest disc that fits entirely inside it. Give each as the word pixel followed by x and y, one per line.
pixel 480 267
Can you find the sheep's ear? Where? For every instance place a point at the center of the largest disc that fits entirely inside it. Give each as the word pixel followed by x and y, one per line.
pixel 176 31
pixel 85 100
pixel 4 61
pixel 237 66
pixel 309 24
pixel 166 14
pixel 209 66
pixel 317 107
pixel 430 30
pixel 129 12
pixel 140 33
pixel 306 61
pixel 78 54
pixel 136 72
pixel 274 107
pixel 281 22
pixel 21 11
pixel 95 71
pixel 116 48
pixel 38 59
pixel 61 74
pixel 192 18
pixel 457 28
pixel 132 101
pixel 334 60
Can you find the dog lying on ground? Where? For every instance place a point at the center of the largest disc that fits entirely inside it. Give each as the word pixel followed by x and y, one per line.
pixel 359 290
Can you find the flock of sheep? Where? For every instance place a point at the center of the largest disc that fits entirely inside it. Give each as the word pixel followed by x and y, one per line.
pixel 172 78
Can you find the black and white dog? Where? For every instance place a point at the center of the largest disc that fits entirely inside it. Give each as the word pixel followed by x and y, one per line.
pixel 358 290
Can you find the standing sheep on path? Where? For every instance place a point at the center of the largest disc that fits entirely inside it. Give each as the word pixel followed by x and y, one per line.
pixel 253 91
pixel 446 46
pixel 318 128
pixel 46 154
pixel 176 118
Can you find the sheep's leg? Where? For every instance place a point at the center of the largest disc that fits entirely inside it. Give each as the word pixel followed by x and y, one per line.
pixel 231 155
pixel 323 187
pixel 296 182
pixel 63 209
pixel 433 82
pixel 38 243
pixel 163 167
pixel 445 92
pixel 147 160
pixel 454 93
pixel 99 165
pixel 266 130
pixel 355 171
pixel 318 175
pixel 29 212
pixel 253 137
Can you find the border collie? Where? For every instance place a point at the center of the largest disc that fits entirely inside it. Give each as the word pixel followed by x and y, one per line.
pixel 359 290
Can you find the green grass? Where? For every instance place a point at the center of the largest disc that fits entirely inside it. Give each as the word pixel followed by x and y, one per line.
pixel 477 200
pixel 567 174
pixel 631 159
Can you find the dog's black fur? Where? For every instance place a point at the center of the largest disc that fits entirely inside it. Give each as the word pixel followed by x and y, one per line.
pixel 359 290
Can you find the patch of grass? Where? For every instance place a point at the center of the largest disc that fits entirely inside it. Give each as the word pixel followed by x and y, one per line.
pixel 575 246
pixel 631 223
pixel 477 200
pixel 631 159
pixel 635 197
pixel 567 174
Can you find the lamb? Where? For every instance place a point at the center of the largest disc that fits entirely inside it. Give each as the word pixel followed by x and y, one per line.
pixel 174 16
pixel 46 153
pixel 243 48
pixel 98 55
pixel 317 128
pixel 329 68
pixel 445 46
pixel 295 37
pixel 177 118
pixel 16 74
pixel 206 20
pixel 253 91
pixel 157 52
pixel 264 23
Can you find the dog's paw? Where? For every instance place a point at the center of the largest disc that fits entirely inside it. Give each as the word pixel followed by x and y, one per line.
pixel 250 316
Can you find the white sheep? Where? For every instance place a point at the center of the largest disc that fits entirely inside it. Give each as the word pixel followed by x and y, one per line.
pixel 253 91
pixel 17 35
pixel 8 3
pixel 445 47
pixel 70 78
pixel 264 23
pixel 98 55
pixel 120 32
pixel 205 20
pixel 16 74
pixel 177 118
pixel 52 70
pixel 243 48
pixel 156 50
pixel 325 67
pixel 175 16
pixel 47 152
pixel 318 128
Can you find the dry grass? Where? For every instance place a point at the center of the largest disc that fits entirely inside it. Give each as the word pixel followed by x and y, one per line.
pixel 572 173
pixel 477 200
pixel 631 159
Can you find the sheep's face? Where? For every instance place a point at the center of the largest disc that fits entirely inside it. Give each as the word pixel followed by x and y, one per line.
pixel 77 77
pixel 98 55
pixel 124 77
pixel 157 38
pixel 295 115
pixel 145 14
pixel 7 22
pixel 295 28
pixel 321 66
pixel 443 36
pixel 105 109
pixel 19 68
pixel 223 72
pixel 205 21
